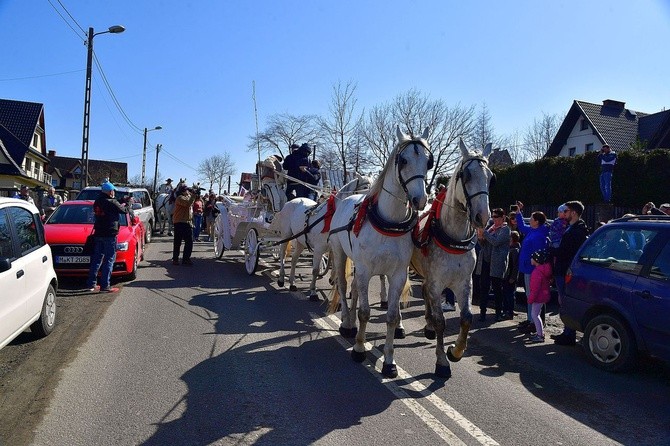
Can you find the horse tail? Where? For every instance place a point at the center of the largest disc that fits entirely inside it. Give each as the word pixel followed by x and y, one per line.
pixel 405 294
pixel 334 296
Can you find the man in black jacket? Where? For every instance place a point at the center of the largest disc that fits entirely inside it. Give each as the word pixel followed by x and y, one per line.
pixel 295 165
pixel 573 238
pixel 105 230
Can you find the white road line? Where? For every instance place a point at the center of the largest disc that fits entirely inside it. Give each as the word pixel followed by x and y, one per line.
pixel 432 422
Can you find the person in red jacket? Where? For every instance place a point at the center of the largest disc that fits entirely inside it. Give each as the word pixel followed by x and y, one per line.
pixel 540 292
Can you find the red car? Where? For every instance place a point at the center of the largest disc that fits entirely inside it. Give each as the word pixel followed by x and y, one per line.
pixel 68 227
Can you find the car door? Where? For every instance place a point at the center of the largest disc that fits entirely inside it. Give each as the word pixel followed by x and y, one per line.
pixel 13 306
pixel 651 303
pixel 34 255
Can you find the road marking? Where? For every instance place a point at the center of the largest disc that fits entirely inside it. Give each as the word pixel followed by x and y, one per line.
pixel 440 429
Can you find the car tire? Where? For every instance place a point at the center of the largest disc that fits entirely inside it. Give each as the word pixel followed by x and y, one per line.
pixel 47 321
pixel 136 261
pixel 609 343
pixel 149 231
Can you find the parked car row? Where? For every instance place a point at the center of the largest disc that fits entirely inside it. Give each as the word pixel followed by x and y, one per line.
pixel 33 254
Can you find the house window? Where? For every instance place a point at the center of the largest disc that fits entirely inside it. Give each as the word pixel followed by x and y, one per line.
pixel 36 141
pixel 589 147
pixel 29 165
pixel 584 125
pixel 572 151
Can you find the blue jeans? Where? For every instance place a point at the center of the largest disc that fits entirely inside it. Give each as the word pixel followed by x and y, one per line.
pixel 606 186
pixel 104 254
pixel 197 225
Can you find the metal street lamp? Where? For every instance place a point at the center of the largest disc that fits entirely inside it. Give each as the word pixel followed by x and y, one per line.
pixel 144 152
pixel 87 98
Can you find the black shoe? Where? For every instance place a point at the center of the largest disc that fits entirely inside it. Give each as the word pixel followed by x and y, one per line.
pixel 524 323
pixel 565 340
pixel 555 336
pixel 175 262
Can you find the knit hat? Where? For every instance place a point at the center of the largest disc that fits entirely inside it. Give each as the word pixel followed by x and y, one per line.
pixel 562 208
pixel 107 187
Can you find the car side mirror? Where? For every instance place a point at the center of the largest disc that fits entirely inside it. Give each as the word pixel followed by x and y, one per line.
pixel 5 264
pixel 136 220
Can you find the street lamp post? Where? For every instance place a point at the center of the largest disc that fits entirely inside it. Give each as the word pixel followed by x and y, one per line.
pixel 158 149
pixel 87 99
pixel 144 152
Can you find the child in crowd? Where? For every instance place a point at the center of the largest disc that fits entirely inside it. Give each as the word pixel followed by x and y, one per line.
pixel 540 292
pixel 511 275
pixel 558 227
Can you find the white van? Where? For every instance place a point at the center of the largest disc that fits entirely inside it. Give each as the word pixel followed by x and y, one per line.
pixel 28 282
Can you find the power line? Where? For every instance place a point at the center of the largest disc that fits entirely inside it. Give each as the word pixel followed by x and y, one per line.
pixel 70 15
pixel 178 160
pixel 40 75
pixel 65 20
pixel 114 99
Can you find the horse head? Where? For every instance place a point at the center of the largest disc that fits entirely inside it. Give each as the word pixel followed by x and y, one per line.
pixel 475 177
pixel 412 160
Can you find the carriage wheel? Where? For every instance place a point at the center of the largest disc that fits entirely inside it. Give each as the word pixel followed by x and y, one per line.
pixel 324 265
pixel 219 247
pixel 251 249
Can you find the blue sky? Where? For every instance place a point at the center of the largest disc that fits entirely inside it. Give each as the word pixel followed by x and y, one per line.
pixel 188 66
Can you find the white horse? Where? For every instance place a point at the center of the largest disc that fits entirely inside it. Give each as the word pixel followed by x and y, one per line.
pixel 444 255
pixel 374 231
pixel 303 221
pixel 165 209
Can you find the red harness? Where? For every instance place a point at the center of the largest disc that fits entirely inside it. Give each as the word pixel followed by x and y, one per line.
pixel 422 237
pixel 330 211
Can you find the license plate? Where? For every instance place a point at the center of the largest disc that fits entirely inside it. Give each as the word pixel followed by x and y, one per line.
pixel 73 259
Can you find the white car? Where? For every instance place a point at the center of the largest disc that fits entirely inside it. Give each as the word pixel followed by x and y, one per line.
pixel 28 281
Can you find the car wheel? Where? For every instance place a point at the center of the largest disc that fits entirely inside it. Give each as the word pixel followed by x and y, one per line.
pixel 149 230
pixel 136 261
pixel 47 321
pixel 609 343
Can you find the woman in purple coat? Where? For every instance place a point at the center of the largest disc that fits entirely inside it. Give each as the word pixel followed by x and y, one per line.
pixel 534 238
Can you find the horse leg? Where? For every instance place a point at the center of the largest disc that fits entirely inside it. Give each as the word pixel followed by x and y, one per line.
pixel 360 289
pixel 294 261
pixel 383 296
pixel 282 258
pixel 348 326
pixel 455 352
pixel 433 300
pixel 429 329
pixel 395 287
pixel 316 263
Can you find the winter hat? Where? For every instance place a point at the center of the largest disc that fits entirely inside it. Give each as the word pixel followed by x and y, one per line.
pixel 540 256
pixel 562 208
pixel 107 187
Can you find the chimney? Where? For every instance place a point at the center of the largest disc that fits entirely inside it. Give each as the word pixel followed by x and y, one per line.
pixel 52 154
pixel 614 104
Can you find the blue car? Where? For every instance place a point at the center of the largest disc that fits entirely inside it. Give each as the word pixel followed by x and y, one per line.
pixel 618 292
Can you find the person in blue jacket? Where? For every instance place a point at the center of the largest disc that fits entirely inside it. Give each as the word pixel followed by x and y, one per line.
pixel 607 160
pixel 295 165
pixel 535 238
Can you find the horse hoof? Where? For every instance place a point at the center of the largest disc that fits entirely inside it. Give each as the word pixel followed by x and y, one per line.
pixel 357 356
pixel 442 371
pixel 293 288
pixel 390 370
pixel 349 333
pixel 384 305
pixel 429 334
pixel 399 333
pixel 450 354
pixel 314 298
pixel 280 283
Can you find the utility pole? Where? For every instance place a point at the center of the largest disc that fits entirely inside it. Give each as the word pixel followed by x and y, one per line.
pixel 158 150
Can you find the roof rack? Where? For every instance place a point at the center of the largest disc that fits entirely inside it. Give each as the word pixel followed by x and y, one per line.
pixel 643 218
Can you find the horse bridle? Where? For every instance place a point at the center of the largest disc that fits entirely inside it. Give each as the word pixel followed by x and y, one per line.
pixel 460 176
pixel 402 181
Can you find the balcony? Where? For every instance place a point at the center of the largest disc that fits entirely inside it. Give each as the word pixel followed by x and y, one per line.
pixel 40 176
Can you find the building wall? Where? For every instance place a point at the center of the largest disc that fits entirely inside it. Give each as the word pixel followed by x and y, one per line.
pixel 579 139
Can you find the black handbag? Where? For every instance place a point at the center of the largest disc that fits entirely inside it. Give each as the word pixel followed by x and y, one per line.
pixel 89 246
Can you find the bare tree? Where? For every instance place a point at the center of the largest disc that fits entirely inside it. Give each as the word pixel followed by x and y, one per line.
pixel 414 111
pixel 514 146
pixel 341 124
pixel 284 129
pixel 483 132
pixel 540 134
pixel 216 169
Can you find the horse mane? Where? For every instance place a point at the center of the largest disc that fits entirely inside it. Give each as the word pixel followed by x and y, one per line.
pixel 378 183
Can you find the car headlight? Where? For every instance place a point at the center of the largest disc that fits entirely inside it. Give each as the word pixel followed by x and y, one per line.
pixel 122 246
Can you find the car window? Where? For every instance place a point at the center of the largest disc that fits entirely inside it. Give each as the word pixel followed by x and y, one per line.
pixel 611 248
pixel 6 248
pixel 26 229
pixel 73 215
pixel 660 268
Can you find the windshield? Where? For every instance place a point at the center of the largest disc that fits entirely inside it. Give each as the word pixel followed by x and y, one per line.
pixel 78 214
pixel 92 194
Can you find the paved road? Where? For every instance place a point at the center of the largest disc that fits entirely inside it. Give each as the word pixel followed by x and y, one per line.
pixel 209 355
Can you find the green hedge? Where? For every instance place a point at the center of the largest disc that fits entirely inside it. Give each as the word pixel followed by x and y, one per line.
pixel 638 177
